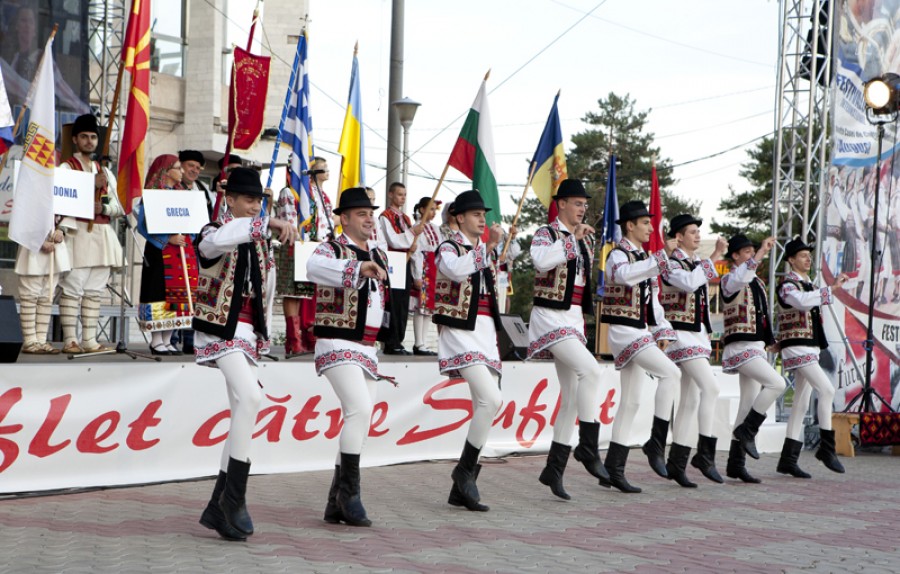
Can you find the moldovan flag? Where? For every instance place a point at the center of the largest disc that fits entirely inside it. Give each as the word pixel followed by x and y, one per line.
pixel 136 59
pixel 550 159
pixel 351 147
pixel 32 215
pixel 6 120
pixel 473 154
pixel 656 238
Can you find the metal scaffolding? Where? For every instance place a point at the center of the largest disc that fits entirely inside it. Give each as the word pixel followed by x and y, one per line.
pixel 106 34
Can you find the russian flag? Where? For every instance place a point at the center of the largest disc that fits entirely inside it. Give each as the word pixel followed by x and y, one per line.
pixel 7 137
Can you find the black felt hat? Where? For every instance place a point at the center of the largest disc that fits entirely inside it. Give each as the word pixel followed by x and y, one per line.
pixel 795 246
pixel 353 197
pixel 245 181
pixel 632 210
pixel 571 188
pixel 468 201
pixel 191 155
pixel 232 158
pixel 737 243
pixel 679 222
pixel 85 123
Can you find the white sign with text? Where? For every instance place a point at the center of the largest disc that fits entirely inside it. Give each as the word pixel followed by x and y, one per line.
pixel 174 211
pixel 73 192
pixel 397 269
pixel 303 250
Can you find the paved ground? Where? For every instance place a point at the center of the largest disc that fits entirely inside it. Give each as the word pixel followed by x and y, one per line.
pixel 833 523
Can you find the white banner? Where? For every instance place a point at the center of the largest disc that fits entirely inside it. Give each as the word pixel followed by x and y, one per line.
pixel 170 211
pixel 73 191
pixel 303 250
pixel 397 269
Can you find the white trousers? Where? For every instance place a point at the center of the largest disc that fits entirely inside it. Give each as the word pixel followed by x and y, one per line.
pixel 85 281
pixel 632 379
pixel 420 323
pixel 579 386
pixel 356 392
pixel 244 397
pixel 485 389
pixel 805 380
pixel 761 385
pixel 699 392
pixel 37 286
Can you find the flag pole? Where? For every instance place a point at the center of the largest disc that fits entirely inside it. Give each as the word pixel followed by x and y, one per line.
pixel 187 281
pixel 519 210
pixel 284 110
pixel 437 188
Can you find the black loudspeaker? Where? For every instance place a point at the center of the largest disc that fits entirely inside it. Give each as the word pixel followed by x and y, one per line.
pixel 10 330
pixel 512 339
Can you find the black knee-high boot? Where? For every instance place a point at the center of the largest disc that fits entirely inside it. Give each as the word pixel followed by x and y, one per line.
pixel 737 464
pixel 348 494
pixel 232 502
pixel 677 465
pixel 790 454
pixel 705 459
pixel 333 513
pixel 464 475
pixel 616 457
pixel 655 448
pixel 587 452
pixel 747 430
pixel 552 474
pixel 212 516
pixel 826 452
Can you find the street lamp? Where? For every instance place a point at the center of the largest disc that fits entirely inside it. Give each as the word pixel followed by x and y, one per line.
pixel 406 110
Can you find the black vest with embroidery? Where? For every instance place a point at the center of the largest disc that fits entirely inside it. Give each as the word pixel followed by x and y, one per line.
pixel 341 312
pixel 797 328
pixel 747 315
pixel 456 304
pixel 686 311
pixel 628 305
pixel 553 289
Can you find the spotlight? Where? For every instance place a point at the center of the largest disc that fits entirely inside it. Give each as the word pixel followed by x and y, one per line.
pixel 882 94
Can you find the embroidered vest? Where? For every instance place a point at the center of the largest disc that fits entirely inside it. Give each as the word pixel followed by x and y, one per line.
pixel 624 305
pixel 553 289
pixel 686 311
pixel 223 283
pixel 798 328
pixel 99 193
pixel 341 311
pixel 456 304
pixel 747 314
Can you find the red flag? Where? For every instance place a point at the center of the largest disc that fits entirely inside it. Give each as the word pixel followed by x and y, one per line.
pixel 136 60
pixel 656 238
pixel 247 96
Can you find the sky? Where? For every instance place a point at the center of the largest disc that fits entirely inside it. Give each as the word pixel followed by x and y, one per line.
pixel 706 70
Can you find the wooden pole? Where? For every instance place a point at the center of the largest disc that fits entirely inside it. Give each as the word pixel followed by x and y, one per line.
pixel 187 280
pixel 437 188
pixel 50 278
pixel 519 209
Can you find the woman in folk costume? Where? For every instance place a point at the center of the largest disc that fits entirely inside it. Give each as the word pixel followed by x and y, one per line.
pixel 638 336
pixel 164 296
pixel 748 331
pixel 562 253
pixel 685 299
pixel 800 338
pixel 352 313
pixel 231 320
pixel 424 272
pixel 468 318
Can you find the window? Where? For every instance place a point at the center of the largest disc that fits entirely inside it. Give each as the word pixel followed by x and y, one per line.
pixel 167 27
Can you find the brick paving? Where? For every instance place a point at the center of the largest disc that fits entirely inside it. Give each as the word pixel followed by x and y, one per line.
pixel 832 523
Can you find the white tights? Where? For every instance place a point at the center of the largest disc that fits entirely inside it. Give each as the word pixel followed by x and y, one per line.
pixel 485 389
pixel 632 377
pixel 420 322
pixel 806 379
pixel 761 385
pixel 579 385
pixel 699 392
pixel 244 397
pixel 356 392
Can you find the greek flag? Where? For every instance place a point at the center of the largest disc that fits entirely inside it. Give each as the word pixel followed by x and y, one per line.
pixel 298 136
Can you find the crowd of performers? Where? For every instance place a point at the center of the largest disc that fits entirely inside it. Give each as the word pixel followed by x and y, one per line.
pixel 655 304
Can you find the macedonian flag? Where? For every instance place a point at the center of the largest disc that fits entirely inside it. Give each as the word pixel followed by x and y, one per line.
pixel 136 59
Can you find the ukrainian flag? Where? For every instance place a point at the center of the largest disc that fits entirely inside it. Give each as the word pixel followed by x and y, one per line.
pixel 550 159
pixel 351 147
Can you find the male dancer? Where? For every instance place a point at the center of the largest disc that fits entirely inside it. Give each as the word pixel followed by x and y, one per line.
pixel 352 308
pixel 93 246
pixel 638 335
pixel 748 332
pixel 467 316
pixel 801 337
pixel 37 271
pixel 233 301
pixel 686 303
pixel 563 254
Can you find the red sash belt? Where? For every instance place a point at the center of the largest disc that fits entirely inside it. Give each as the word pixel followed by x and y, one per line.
pixel 484 305
pixel 577 294
pixel 370 335
pixel 246 314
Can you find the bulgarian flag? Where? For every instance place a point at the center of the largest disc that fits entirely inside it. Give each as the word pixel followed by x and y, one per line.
pixel 473 154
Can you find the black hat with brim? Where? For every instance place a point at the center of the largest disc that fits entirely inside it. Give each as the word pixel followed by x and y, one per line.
pixel 351 198
pixel 737 243
pixel 795 246
pixel 85 123
pixel 632 210
pixel 679 222
pixel 191 155
pixel 571 188
pixel 468 201
pixel 244 181
pixel 231 159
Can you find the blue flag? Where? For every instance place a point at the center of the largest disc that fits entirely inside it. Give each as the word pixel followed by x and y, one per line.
pixel 610 233
pixel 298 136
